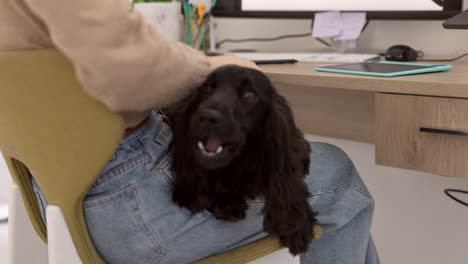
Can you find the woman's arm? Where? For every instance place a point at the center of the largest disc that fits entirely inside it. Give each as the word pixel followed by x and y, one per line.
pixel 120 60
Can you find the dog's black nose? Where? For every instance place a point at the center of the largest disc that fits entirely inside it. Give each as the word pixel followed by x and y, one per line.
pixel 209 116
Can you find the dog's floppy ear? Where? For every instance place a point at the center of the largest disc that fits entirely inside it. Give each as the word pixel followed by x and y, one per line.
pixel 287 212
pixel 181 114
pixel 285 150
pixel 183 166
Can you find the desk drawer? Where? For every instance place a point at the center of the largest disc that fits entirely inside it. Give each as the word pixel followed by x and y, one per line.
pixel 422 133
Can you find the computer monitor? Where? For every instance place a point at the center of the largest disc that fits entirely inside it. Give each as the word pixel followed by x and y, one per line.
pixel 375 9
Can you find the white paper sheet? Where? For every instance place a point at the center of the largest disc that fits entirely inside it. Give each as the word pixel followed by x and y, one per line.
pixel 352 25
pixel 327 24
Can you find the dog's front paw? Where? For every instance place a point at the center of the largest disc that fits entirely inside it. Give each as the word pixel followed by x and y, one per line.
pixel 229 209
pixel 295 227
pixel 195 202
pixel 299 240
pixel 181 197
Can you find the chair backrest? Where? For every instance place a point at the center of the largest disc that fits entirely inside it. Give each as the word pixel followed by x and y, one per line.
pixel 50 126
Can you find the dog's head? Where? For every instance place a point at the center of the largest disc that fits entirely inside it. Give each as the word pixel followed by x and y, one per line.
pixel 229 114
pixel 234 113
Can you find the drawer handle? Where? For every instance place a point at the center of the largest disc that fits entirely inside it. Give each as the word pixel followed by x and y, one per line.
pixel 443 131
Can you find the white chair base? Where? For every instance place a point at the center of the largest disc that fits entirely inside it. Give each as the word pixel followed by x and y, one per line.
pixel 61 247
pixel 25 246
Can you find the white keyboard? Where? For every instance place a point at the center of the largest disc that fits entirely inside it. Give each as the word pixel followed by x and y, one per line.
pixel 309 57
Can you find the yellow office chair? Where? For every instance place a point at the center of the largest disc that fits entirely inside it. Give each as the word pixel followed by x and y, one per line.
pixel 50 126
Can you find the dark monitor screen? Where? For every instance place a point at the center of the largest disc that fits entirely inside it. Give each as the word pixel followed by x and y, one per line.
pixel 375 9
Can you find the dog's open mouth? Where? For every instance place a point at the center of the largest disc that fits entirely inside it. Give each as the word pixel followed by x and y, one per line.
pixel 212 146
pixel 213 152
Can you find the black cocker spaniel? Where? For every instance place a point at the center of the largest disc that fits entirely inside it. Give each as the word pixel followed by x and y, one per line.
pixel 235 140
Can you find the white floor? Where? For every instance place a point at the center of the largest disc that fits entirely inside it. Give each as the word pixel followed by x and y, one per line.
pixel 414 221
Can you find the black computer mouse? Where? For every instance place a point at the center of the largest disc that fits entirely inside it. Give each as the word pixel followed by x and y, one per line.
pixel 401 53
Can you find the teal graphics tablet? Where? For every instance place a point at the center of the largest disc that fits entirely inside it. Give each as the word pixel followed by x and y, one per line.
pixel 384 68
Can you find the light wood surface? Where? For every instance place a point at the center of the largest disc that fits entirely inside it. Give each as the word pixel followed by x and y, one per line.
pixel 453 83
pixel 335 113
pixel 343 106
pixel 400 143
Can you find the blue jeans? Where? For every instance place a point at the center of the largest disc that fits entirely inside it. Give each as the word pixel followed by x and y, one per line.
pixel 132 219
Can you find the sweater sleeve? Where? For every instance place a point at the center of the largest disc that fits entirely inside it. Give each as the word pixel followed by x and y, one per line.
pixel 121 60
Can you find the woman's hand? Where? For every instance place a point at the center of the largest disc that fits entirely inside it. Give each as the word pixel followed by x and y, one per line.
pixel 218 61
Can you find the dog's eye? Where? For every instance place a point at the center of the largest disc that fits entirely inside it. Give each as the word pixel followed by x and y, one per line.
pixel 206 89
pixel 249 95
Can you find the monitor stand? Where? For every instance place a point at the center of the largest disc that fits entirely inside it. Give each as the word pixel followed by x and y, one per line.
pixel 345 46
pixel 352 46
pixel 459 21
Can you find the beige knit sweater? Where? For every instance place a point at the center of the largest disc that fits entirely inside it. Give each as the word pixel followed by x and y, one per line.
pixel 119 59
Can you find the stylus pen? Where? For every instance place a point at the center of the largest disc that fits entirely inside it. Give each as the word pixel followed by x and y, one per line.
pixel 275 61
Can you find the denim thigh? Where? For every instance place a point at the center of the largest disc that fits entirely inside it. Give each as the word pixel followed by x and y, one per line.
pixel 131 216
pixel 132 219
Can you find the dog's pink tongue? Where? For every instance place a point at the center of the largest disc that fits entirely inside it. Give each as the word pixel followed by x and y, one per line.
pixel 212 144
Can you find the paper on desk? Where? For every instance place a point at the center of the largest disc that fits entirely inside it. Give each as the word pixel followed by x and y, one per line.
pixel 352 25
pixel 327 24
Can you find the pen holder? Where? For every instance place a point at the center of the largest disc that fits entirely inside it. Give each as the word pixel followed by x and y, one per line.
pixel 196 24
pixel 165 17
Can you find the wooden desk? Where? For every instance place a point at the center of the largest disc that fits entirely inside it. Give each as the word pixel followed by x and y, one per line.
pixel 389 112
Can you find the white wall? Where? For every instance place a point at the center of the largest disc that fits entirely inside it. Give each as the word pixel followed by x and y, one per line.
pixel 428 36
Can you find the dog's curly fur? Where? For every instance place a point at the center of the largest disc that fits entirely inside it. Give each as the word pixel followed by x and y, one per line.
pixel 266 155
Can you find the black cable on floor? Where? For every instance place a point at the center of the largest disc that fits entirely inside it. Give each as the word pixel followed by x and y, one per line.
pixel 449 192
